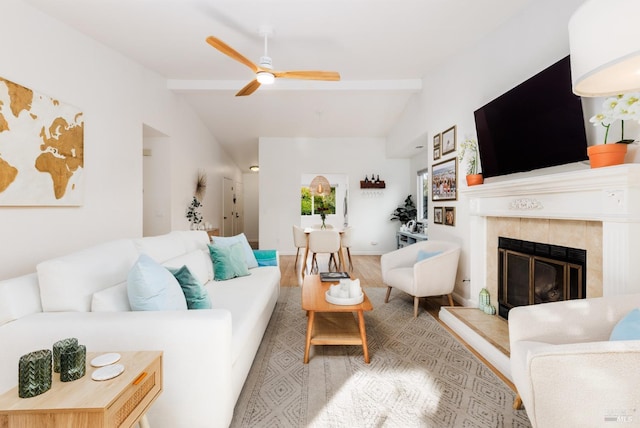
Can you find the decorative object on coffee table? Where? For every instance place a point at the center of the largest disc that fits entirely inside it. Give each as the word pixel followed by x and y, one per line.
pixel 59 347
pixel 34 373
pixel 73 363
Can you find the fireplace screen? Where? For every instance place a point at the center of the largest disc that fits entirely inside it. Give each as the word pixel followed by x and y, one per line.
pixel 532 273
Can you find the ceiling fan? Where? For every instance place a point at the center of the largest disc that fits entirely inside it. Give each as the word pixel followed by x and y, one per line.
pixel 265 74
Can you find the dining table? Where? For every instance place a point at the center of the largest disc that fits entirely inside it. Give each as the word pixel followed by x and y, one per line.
pixel 307 232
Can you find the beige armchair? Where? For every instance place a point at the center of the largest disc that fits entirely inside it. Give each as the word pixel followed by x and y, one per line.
pixel 566 371
pixel 434 276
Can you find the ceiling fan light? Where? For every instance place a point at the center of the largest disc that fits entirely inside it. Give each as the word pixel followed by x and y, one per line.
pixel 265 78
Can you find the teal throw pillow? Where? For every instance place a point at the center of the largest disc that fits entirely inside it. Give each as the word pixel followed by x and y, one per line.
pixel 151 287
pixel 266 257
pixel 194 292
pixel 246 248
pixel 628 328
pixel 423 255
pixel 228 262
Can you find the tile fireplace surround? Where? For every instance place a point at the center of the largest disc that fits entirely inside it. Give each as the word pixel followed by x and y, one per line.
pixel 594 209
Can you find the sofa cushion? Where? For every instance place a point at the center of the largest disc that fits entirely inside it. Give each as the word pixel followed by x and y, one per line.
pixel 198 262
pixel 19 297
pixel 162 247
pixel 112 299
pixel 628 328
pixel 67 283
pixel 242 239
pixel 228 262
pixel 151 287
pixel 194 292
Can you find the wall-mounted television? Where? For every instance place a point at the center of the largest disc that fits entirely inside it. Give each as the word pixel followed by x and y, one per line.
pixel 537 124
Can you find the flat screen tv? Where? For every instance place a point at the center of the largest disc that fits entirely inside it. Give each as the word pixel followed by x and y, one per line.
pixel 537 124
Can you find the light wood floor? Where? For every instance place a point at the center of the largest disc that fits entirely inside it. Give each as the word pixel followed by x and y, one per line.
pixel 367 269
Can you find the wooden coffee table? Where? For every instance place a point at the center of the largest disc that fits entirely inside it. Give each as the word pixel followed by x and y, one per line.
pixel 330 324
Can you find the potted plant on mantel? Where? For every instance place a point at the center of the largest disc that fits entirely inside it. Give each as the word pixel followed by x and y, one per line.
pixel 621 107
pixel 469 156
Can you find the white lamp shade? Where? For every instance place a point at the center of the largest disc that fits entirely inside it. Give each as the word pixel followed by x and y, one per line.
pixel 604 38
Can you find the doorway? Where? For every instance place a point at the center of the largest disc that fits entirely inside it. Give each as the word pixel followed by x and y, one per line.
pixel 232 208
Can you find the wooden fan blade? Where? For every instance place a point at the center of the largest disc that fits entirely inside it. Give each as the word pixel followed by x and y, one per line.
pixel 308 75
pixel 230 52
pixel 249 89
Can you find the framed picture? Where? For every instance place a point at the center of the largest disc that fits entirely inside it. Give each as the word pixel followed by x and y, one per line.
pixel 449 140
pixel 444 182
pixel 420 227
pixel 437 215
pixel 436 146
pixel 450 216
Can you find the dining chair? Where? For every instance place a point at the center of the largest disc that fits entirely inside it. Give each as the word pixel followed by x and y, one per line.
pixel 346 243
pixel 324 242
pixel 300 241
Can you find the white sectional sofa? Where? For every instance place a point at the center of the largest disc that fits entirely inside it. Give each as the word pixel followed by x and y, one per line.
pixel 207 352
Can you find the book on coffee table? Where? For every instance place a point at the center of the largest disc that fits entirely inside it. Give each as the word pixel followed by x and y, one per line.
pixel 333 276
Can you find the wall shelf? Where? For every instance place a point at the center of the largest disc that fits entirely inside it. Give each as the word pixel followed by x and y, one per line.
pixel 372 185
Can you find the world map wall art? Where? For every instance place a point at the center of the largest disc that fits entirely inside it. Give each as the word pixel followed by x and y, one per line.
pixel 41 149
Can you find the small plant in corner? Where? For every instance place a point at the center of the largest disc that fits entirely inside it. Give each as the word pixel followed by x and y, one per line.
pixel 405 213
pixel 193 215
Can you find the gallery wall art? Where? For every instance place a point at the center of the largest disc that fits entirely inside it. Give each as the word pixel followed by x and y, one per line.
pixel 41 149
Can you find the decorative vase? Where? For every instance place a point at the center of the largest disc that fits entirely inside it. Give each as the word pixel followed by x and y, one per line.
pixel 474 179
pixel 606 154
pixel 73 363
pixel 324 226
pixel 61 346
pixel 34 373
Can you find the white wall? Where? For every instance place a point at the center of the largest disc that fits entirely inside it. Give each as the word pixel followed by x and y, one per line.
pixel 117 97
pixel 453 91
pixel 250 181
pixel 283 161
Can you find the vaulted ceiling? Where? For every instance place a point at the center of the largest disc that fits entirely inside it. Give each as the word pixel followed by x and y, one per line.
pixel 382 50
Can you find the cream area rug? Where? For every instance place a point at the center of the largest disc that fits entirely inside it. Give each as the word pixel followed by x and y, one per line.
pixel 419 375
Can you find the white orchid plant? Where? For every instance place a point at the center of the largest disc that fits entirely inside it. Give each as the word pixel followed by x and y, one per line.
pixel 621 107
pixel 469 155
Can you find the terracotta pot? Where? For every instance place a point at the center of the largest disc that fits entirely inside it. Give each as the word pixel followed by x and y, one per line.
pixel 473 179
pixel 606 154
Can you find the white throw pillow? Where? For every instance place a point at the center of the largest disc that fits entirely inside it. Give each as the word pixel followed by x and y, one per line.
pixel 112 299
pixel 19 297
pixel 151 287
pixel 198 262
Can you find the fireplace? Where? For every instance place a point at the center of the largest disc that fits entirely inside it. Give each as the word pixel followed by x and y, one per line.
pixel 532 272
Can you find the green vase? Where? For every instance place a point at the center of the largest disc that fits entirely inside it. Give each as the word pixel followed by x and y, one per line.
pixel 73 363
pixel 34 373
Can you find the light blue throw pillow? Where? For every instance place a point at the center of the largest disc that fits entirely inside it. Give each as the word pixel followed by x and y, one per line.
pixel 151 287
pixel 228 262
pixel 242 239
pixel 423 255
pixel 628 328
pixel 194 292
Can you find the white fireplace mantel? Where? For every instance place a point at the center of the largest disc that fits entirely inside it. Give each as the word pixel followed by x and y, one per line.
pixel 610 195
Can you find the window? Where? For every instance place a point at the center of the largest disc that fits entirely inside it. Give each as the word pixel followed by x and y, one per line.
pixel 423 195
pixel 310 204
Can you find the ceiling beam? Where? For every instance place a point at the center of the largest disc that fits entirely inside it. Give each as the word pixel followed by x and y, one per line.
pixel 410 85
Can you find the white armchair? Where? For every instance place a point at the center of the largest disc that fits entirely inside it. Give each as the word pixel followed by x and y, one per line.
pixel 434 276
pixel 566 370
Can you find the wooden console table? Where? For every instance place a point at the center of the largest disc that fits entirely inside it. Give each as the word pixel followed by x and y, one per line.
pixel 119 402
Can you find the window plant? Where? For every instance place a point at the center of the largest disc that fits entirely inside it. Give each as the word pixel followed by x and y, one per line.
pixel 469 157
